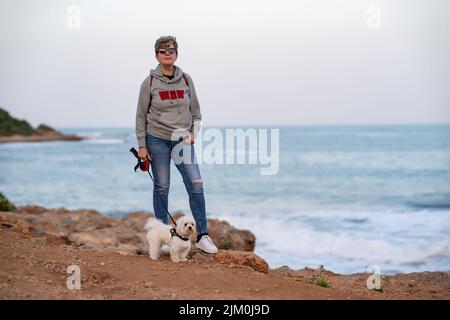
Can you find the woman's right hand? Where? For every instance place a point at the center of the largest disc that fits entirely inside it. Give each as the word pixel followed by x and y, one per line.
pixel 143 154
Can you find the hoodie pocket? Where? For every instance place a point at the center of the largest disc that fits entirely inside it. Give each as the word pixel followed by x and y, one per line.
pixel 175 116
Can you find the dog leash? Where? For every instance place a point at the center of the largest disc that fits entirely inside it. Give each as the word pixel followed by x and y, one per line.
pixel 145 166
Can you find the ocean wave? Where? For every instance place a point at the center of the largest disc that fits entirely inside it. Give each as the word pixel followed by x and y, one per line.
pixel 90 134
pixel 369 245
pixel 381 160
pixel 430 205
pixel 104 141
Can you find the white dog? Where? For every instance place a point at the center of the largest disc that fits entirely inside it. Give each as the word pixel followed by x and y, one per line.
pixel 177 238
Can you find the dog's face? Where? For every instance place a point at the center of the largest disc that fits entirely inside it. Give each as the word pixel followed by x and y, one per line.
pixel 185 226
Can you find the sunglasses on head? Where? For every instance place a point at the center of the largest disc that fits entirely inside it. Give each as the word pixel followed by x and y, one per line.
pixel 168 51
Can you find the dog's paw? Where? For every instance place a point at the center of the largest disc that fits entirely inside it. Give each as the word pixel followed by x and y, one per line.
pixel 184 259
pixel 175 259
pixel 154 257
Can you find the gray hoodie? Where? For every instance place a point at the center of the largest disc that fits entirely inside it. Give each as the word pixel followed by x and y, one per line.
pixel 174 106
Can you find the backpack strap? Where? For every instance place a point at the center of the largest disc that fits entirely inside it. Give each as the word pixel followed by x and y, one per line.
pixel 187 83
pixel 150 101
pixel 185 79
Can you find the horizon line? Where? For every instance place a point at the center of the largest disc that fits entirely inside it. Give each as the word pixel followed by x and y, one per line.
pixel 278 125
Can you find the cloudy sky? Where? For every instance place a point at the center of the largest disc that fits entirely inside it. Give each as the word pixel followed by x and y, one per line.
pixel 264 62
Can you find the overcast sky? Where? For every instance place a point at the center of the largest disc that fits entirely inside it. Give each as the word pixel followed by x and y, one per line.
pixel 253 62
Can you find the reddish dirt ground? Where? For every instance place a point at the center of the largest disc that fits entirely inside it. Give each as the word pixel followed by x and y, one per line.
pixel 34 269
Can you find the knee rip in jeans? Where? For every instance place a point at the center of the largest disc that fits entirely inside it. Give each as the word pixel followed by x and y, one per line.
pixel 196 186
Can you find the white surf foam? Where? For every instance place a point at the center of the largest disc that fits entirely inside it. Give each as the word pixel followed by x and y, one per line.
pixel 391 239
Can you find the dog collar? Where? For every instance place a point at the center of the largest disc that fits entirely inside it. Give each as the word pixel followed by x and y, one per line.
pixel 173 232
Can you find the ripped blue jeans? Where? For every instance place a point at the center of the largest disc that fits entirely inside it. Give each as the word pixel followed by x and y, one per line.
pixel 161 153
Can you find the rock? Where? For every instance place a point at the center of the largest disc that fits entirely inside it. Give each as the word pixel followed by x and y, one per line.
pixel 242 258
pixel 9 220
pixel 130 238
pixel 86 246
pixel 198 256
pixel 87 228
pixel 38 229
pixel 127 249
pixel 94 239
pixel 229 238
pixel 41 240
pixel 136 220
pixel 31 209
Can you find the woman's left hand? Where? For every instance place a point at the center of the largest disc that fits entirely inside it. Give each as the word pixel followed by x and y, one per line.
pixel 190 138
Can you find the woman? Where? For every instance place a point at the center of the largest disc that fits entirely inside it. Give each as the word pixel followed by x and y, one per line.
pixel 168 113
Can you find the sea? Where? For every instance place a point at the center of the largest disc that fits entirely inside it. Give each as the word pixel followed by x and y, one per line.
pixel 345 197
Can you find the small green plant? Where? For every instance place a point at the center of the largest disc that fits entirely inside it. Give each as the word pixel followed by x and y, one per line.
pixel 319 280
pixel 322 282
pixel 5 204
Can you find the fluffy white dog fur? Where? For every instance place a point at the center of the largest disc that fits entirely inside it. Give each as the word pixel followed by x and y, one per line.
pixel 158 234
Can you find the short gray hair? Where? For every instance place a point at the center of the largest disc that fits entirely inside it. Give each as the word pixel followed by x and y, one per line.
pixel 164 42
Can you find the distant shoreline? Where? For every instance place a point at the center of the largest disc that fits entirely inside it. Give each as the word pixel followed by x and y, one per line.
pixel 17 130
pixel 50 136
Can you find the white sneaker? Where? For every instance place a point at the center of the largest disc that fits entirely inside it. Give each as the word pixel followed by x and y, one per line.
pixel 205 244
